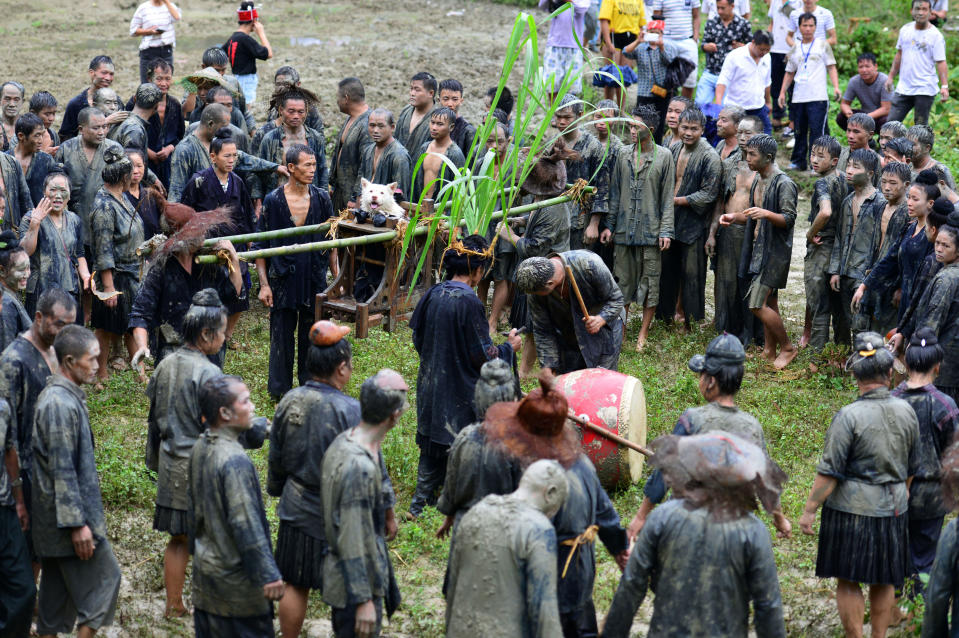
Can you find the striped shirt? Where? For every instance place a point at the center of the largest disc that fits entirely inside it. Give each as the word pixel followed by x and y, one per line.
pixel 151 16
pixel 678 15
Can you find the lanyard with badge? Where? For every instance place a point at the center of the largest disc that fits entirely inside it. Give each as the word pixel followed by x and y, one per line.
pixel 803 75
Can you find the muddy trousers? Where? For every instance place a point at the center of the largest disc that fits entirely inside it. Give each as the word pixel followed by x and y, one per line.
pixel 17 592
pixel 580 623
pixel 684 274
pixel 731 310
pixel 825 304
pixel 430 475
pixel 286 325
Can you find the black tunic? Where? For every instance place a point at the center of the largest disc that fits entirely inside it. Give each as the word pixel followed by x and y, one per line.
pixel 165 296
pixel 451 335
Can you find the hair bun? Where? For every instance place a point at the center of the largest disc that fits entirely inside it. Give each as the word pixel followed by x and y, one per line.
pixel 8 240
pixel 207 297
pixel 922 338
pixel 927 176
pixel 225 133
pixel 113 155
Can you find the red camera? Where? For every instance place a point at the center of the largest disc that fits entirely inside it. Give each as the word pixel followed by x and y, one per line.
pixel 247 16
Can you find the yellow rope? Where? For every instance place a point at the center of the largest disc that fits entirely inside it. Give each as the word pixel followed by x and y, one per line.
pixel 589 536
pixel 577 193
pixel 344 215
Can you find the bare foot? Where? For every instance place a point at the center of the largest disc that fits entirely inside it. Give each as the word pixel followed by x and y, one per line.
pixel 804 339
pixel 786 356
pixel 640 344
pixel 679 318
pixel 769 353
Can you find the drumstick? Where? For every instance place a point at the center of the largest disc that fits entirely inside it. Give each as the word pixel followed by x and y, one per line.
pixel 595 429
pixel 572 283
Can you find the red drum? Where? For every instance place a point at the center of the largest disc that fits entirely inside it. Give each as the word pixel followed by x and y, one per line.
pixel 616 402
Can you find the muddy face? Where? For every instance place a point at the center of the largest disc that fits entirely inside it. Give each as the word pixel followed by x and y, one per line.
pixel 58 192
pixel 15 277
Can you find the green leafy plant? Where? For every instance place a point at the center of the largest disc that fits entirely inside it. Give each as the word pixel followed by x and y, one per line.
pixel 474 192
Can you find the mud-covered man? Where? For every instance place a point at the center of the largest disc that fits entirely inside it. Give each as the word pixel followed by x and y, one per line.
pixel 81 575
pixel 502 574
pixel 385 161
pixel 566 340
pixel 353 137
pixel 289 283
pixel 698 175
pixel 640 218
pixel 235 579
pixel 25 367
pixel 724 243
pixel 358 582
pixel 133 132
pixel 706 557
pixel 769 221
pixel 307 421
pixel 293 105
pixel 413 123
pixel 451 336
pixel 434 172
pixel 593 165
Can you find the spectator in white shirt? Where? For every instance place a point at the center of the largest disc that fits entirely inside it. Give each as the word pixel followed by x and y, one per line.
pixel 921 64
pixel 741 8
pixel 154 21
pixel 682 28
pixel 808 64
pixel 825 23
pixel 745 79
pixel 779 25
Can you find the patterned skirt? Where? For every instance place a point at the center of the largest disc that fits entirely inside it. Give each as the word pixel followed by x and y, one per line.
pixel 167 519
pixel 300 557
pixel 872 550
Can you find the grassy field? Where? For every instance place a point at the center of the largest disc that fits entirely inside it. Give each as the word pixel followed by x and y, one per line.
pixel 795 406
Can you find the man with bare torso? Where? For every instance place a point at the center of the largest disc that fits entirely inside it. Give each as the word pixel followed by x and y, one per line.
pixel 724 244
pixel 769 221
pixel 289 284
pixel 434 173
pixel 698 172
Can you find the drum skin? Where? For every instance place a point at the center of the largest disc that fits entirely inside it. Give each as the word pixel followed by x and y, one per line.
pixel 614 401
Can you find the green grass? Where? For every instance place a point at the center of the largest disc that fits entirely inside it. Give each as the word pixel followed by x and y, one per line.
pixel 794 407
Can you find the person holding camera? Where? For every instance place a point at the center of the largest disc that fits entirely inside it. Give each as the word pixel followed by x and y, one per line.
pixel 243 51
pixel 154 21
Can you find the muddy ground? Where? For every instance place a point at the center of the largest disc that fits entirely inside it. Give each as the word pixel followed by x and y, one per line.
pixel 48 44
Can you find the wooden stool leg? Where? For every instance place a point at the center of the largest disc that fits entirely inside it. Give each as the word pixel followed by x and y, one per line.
pixel 362 320
pixel 318 309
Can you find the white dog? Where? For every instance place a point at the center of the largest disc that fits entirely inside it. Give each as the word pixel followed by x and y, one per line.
pixel 378 198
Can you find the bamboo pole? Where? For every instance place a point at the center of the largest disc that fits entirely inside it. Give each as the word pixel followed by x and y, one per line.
pixel 389 235
pixel 316 228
